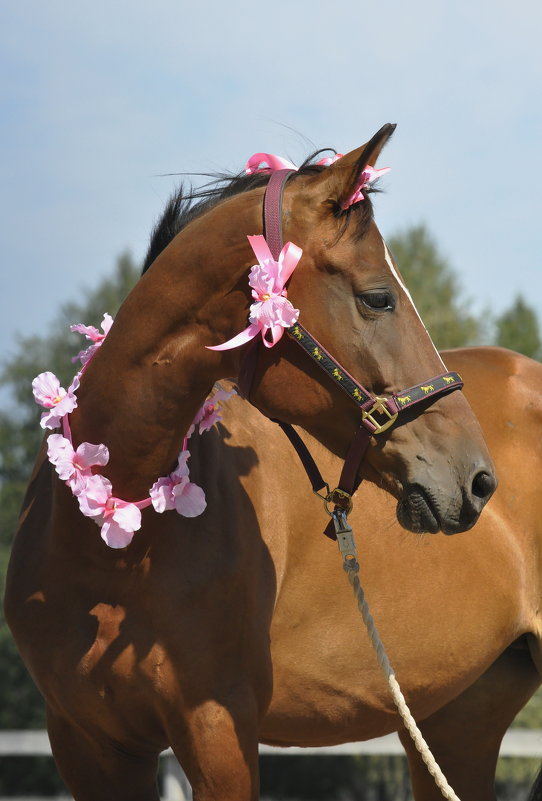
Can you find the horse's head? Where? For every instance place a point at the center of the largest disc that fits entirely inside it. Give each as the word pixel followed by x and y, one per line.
pixel 353 300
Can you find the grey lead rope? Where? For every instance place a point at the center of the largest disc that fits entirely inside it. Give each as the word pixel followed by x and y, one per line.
pixel 347 547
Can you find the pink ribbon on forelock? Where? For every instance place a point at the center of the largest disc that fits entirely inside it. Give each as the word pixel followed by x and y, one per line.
pixel 328 160
pixel 267 162
pixel 272 311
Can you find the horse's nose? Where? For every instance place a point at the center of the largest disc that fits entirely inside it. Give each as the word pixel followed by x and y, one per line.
pixel 483 486
pixel 475 496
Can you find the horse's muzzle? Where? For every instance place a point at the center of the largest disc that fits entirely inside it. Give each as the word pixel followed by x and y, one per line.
pixel 428 510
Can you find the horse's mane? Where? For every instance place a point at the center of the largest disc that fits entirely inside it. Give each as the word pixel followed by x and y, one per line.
pixel 188 203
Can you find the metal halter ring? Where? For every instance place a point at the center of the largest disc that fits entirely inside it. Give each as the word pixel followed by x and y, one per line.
pixel 379 407
pixel 338 497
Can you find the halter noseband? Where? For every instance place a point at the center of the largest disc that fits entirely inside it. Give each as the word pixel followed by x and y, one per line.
pixel 378 414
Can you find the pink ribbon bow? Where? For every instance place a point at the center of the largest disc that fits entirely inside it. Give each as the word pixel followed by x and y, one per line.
pixel 328 160
pixel 267 162
pixel 272 311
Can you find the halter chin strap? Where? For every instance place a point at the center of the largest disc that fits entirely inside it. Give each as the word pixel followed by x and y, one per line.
pixel 378 414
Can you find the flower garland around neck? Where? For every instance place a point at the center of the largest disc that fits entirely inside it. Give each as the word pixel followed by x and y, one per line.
pixel 117 519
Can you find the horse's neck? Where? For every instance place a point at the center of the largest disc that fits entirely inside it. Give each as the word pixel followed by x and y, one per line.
pixel 140 406
pixel 144 386
pixel 142 389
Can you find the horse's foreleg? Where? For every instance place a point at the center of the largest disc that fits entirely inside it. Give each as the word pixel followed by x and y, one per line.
pixel 465 735
pixel 218 749
pixel 98 770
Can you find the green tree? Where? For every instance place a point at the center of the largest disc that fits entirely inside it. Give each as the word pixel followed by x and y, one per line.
pixel 435 289
pixel 517 329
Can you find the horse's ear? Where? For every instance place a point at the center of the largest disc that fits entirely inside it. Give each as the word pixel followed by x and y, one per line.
pixel 342 177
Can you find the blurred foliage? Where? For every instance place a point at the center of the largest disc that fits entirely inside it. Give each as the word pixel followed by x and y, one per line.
pixel 334 778
pixel 435 289
pixel 517 329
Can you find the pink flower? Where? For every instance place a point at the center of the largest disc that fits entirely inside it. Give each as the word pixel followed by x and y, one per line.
pixel 93 335
pixel 211 411
pixel 177 492
pixel 117 519
pixel 74 467
pixel 272 311
pixel 49 394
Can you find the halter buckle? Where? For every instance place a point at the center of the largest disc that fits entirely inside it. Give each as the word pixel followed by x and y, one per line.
pixel 379 407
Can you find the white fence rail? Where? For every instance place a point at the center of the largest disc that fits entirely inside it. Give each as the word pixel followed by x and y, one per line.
pixel 516 743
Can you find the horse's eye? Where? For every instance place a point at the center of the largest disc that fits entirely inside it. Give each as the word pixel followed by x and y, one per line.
pixel 378 301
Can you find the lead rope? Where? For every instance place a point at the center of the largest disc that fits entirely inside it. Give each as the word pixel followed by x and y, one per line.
pixel 347 547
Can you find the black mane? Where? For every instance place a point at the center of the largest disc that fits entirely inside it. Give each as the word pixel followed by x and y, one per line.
pixel 188 203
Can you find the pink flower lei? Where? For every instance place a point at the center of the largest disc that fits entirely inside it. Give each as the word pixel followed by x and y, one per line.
pixel 118 519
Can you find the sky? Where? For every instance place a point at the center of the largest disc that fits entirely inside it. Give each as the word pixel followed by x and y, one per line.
pixel 99 99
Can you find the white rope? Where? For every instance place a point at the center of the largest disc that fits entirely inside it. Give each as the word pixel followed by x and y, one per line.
pixel 351 568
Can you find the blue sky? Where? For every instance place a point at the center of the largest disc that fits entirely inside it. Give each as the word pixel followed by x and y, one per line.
pixel 99 98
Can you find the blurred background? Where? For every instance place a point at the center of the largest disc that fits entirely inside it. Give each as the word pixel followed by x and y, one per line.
pixel 101 102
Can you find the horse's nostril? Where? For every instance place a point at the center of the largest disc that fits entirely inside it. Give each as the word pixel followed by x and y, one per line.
pixel 483 485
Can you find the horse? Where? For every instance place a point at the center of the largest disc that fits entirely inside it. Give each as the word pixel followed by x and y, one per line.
pixel 212 632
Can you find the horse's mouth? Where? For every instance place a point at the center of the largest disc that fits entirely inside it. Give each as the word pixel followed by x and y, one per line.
pixel 418 512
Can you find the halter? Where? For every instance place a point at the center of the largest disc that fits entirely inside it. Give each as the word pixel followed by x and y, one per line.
pixel 378 414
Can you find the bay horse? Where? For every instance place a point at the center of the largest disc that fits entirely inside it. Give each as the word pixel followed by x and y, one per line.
pixel 209 634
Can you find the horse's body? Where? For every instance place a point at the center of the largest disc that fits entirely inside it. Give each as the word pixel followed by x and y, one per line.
pixel 213 633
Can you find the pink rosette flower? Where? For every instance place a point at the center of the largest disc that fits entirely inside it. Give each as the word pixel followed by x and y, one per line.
pixel 74 466
pixel 272 311
pixel 92 333
pixel 117 519
pixel 59 401
pixel 211 411
pixel 176 491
